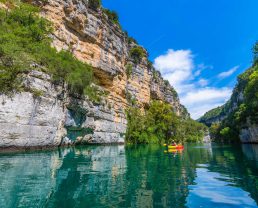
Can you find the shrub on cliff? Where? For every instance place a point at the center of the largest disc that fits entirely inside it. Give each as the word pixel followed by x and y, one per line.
pixel 112 16
pixel 130 40
pixel 137 53
pixel 227 133
pixel 251 95
pixel 24 41
pixel 129 70
pixel 94 4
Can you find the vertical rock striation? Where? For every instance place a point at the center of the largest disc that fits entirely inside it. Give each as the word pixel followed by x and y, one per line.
pixel 56 117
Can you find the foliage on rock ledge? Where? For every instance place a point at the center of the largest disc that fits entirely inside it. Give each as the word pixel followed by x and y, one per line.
pixel 246 111
pixel 137 54
pixel 25 42
pixel 160 124
pixel 94 4
pixel 112 16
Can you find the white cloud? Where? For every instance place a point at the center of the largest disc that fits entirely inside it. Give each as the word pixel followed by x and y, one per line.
pixel 197 73
pixel 228 73
pixel 206 95
pixel 200 68
pixel 199 101
pixel 203 82
pixel 177 66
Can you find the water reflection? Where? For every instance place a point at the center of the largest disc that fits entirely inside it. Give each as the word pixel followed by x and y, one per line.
pixel 215 190
pixel 141 176
pixel 251 152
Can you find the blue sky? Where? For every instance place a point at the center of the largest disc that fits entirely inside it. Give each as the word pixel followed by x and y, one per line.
pixel 200 46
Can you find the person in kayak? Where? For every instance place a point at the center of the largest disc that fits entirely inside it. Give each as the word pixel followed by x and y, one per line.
pixel 173 143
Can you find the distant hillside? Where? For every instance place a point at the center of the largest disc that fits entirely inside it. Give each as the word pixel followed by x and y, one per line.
pixel 238 118
pixel 212 116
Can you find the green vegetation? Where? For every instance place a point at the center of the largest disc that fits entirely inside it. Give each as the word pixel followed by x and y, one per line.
pixel 95 4
pixel 129 39
pixel 149 65
pixel 251 95
pixel 160 124
pixel 137 54
pixel 166 82
pixel 246 111
pixel 156 75
pixel 112 16
pixel 24 42
pixel 211 114
pixel 129 70
pixel 174 92
pixel 131 99
pixel 36 93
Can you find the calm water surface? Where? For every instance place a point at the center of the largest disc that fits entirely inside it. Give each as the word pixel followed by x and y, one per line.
pixel 142 176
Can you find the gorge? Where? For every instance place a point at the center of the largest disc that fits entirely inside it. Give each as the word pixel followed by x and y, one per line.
pixel 47 114
pixel 237 119
pixel 90 117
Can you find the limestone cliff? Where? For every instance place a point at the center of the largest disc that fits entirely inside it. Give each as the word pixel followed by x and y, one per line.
pixel 56 117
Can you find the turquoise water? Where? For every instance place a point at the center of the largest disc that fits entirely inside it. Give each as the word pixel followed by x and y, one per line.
pixel 142 176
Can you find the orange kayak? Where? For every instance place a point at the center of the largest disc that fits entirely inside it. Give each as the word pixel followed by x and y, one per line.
pixel 175 147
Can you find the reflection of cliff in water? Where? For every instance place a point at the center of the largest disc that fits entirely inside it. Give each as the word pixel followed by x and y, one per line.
pixel 135 176
pixel 92 175
pixel 251 152
pixel 161 180
pixel 240 167
pixel 27 179
pixel 64 178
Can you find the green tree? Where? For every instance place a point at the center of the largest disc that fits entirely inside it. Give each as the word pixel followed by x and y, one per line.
pixel 137 53
pixel 94 4
pixel 251 95
pixel 160 124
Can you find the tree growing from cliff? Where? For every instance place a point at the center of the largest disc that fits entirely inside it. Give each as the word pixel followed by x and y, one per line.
pixel 137 54
pixel 94 4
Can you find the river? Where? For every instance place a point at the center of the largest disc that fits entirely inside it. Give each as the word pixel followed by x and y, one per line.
pixel 208 175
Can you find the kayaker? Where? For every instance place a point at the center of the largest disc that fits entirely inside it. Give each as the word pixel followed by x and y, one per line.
pixel 174 143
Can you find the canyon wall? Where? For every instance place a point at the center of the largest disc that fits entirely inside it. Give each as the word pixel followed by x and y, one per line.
pixel 54 116
pixel 244 126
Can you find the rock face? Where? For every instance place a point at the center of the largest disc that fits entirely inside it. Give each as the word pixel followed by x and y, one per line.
pixel 249 135
pixel 248 131
pixel 29 121
pixel 207 138
pixel 92 38
pixel 55 117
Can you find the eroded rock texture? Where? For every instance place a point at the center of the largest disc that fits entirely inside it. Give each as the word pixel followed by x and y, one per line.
pixel 55 117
